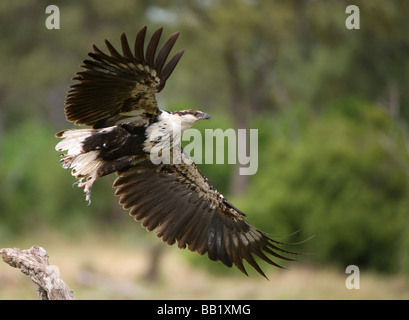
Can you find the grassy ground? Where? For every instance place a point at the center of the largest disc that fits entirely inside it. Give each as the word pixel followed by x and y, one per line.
pixel 115 267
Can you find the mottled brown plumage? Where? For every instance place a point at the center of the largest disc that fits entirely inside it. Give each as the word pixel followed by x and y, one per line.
pixel 113 86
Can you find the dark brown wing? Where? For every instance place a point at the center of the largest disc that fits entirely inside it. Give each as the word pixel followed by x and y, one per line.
pixel 116 88
pixel 185 208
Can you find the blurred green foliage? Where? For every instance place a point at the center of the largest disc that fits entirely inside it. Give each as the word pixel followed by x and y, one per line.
pixel 330 106
pixel 342 179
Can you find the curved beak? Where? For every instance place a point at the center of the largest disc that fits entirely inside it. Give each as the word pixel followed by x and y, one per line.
pixel 206 116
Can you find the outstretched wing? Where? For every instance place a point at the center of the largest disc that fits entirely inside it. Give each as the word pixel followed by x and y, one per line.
pixel 184 207
pixel 119 88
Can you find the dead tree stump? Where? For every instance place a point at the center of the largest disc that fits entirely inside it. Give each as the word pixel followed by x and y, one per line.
pixel 34 263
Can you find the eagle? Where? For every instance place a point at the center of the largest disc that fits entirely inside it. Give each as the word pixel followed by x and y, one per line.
pixel 115 95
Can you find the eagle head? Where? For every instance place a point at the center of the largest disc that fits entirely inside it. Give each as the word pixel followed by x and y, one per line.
pixel 188 117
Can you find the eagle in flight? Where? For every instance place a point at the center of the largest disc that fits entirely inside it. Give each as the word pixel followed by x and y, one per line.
pixel 115 95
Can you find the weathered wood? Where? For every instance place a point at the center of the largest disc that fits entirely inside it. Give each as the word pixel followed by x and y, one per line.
pixel 34 263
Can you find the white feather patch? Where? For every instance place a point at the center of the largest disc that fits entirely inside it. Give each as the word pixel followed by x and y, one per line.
pixel 85 164
pixel 72 140
pixel 82 164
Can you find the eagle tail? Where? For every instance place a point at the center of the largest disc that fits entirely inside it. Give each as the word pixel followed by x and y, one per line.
pixel 84 164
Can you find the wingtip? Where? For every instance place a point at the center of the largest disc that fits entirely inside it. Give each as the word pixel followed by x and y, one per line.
pixel 175 34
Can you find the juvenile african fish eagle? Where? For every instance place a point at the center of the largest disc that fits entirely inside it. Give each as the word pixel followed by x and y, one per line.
pixel 115 95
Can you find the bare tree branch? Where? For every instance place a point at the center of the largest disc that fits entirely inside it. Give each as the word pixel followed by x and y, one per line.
pixel 34 263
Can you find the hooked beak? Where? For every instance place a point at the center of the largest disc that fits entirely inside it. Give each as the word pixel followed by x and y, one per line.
pixel 206 116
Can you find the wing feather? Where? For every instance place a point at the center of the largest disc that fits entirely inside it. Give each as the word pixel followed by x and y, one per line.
pixel 164 52
pixel 168 69
pixel 236 253
pixel 180 226
pixel 126 50
pixel 152 46
pixel 179 203
pixel 139 44
pixel 112 86
pixel 114 54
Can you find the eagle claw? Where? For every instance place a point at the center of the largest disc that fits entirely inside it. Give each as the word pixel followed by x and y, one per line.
pixel 77 183
pixel 66 160
pixel 87 185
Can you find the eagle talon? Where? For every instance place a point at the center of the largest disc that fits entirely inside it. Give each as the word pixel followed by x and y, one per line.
pixel 76 183
pixel 88 198
pixel 87 187
pixel 67 160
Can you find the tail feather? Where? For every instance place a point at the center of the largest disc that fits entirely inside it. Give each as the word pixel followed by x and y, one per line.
pixel 83 164
pixel 72 140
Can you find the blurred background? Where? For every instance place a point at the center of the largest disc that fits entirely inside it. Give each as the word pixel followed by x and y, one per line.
pixel 331 106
